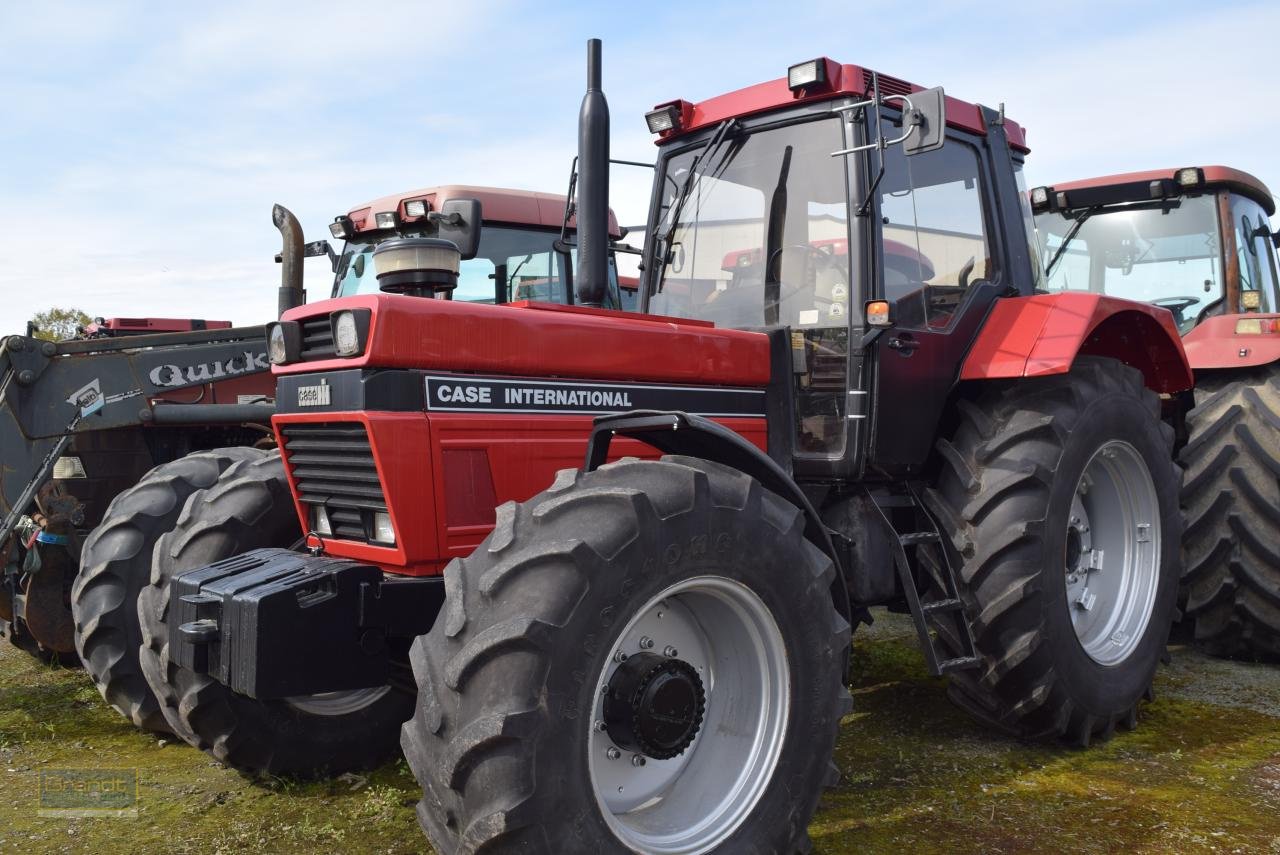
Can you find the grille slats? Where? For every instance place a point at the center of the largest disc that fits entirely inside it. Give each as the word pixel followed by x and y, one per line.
pixel 332 465
pixel 317 339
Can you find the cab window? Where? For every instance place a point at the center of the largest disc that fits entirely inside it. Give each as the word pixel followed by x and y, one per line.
pixel 934 237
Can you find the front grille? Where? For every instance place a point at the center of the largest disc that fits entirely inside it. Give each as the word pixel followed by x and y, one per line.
pixel 332 466
pixel 317 339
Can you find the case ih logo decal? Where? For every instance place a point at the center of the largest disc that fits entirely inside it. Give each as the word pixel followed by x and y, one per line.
pixel 207 372
pixel 470 394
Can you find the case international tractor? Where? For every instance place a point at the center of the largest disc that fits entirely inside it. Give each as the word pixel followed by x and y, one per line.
pixel 1198 242
pixel 649 654
pixel 100 433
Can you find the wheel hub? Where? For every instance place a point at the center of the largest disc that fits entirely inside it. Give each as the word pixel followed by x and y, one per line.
pixel 654 705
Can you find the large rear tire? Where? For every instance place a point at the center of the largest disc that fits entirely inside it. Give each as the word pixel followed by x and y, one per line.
pixel 115 565
pixel 1232 502
pixel 643 658
pixel 250 508
pixel 1060 498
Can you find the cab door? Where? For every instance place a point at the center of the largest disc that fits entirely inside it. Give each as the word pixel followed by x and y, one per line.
pixel 939 266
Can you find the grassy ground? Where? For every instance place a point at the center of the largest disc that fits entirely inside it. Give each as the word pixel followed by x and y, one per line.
pixel 1201 774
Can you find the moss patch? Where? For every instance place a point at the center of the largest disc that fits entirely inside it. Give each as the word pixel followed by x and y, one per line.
pixel 1201 774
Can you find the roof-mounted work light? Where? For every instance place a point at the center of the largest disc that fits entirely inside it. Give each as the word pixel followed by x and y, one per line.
pixel 1189 178
pixel 416 208
pixel 807 75
pixel 664 118
pixel 386 220
pixel 1040 199
pixel 342 228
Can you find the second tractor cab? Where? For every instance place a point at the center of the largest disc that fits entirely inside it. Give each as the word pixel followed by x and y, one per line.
pixel 518 253
pixel 649 655
pixel 1198 242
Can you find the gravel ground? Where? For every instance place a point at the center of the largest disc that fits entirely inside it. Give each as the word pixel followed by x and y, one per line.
pixel 1201 774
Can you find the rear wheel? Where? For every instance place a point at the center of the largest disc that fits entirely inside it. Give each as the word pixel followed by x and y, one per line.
pixel 643 658
pixel 115 565
pixel 1059 496
pixel 1232 501
pixel 249 508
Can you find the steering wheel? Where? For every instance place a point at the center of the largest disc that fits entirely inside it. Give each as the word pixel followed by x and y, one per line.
pixel 815 259
pixel 1177 305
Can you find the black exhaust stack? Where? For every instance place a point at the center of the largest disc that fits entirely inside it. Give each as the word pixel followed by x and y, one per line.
pixel 593 186
pixel 290 258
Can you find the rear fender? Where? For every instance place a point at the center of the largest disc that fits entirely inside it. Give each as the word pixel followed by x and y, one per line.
pixel 1043 334
pixel 1215 344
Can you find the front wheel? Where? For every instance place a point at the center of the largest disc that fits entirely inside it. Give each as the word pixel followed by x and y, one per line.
pixel 645 658
pixel 1060 497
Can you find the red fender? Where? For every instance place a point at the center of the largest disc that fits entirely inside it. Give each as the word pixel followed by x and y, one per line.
pixel 1040 335
pixel 1216 344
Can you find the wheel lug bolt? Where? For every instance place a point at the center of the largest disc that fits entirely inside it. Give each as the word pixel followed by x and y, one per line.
pixel 619 657
pixel 670 652
pixel 637 760
pixel 613 753
pixel 646 643
pixel 600 726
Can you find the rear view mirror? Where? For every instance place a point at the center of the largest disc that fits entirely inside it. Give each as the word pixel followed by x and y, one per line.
pixel 318 248
pixel 926 119
pixel 459 221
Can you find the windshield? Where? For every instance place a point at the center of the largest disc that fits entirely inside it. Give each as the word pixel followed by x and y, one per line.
pixel 760 234
pixel 1167 253
pixel 511 264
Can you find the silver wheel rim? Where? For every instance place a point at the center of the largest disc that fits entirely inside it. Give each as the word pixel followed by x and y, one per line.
pixel 337 703
pixel 692 802
pixel 1112 555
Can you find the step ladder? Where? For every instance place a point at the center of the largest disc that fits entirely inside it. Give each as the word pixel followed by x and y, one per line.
pixel 943 615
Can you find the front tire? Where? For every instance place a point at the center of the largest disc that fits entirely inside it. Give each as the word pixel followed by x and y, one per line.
pixel 250 508
pixel 115 565
pixel 642 658
pixel 1059 496
pixel 1232 502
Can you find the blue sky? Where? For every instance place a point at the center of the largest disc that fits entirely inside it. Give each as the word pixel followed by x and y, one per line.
pixel 144 143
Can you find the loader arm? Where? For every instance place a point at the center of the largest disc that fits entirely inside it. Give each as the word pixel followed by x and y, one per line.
pixel 50 392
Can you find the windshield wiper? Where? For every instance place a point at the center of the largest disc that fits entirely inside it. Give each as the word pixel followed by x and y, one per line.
pixel 1070 236
pixel 708 148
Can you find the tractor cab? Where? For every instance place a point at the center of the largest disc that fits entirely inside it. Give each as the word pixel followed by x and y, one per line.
pixel 518 254
pixel 1196 241
pixel 842 204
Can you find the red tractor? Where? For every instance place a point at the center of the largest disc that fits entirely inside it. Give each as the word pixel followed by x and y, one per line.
pixel 649 654
pixel 1198 242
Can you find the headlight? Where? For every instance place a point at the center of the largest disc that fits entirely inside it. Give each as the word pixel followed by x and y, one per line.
pixel 322 525
pixel 346 341
pixel 277 349
pixel 350 331
pixel 382 530
pixel 68 467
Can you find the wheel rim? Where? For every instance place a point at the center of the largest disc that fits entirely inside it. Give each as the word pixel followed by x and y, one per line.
pixel 1112 554
pixel 337 703
pixel 691 802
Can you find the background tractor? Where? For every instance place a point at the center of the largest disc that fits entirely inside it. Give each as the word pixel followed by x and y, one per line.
pixel 648 655
pixel 106 436
pixel 1198 242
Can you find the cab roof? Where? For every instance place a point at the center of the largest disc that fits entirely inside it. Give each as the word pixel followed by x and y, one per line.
pixel 497 205
pixel 1225 177
pixel 843 81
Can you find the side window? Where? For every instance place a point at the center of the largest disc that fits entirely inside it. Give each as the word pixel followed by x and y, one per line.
pixel 475 281
pixel 1253 251
pixel 933 232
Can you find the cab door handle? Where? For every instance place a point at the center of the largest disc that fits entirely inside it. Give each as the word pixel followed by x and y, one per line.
pixel 904 344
